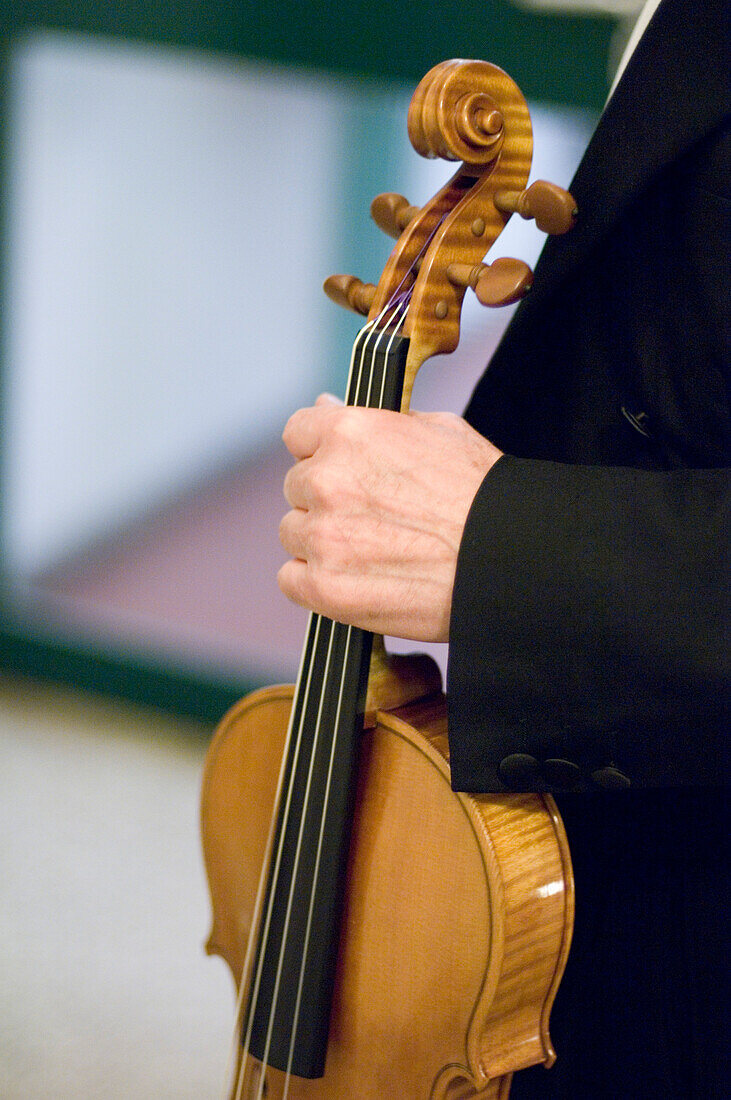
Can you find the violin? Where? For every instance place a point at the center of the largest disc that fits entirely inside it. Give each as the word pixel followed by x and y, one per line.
pixel 388 937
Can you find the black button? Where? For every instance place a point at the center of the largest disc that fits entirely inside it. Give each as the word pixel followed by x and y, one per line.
pixel 611 778
pixel 562 773
pixel 519 770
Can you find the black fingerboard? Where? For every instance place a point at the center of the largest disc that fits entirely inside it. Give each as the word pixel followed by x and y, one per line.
pixel 290 996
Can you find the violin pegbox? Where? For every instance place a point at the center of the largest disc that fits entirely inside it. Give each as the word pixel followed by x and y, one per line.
pixel 468 111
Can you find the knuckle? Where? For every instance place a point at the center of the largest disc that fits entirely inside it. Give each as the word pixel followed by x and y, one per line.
pixel 308 537
pixel 327 593
pixel 445 420
pixel 320 543
pixel 323 484
pixel 330 545
pixel 317 591
pixel 451 420
pixel 346 424
pixel 312 541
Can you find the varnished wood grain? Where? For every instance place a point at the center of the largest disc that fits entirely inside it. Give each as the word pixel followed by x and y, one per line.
pixel 465 202
pixel 457 913
pixel 395 680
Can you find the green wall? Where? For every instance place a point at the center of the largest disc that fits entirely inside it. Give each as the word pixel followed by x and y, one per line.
pixel 553 57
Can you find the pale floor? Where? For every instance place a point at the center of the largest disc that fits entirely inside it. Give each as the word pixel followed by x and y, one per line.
pixel 105 992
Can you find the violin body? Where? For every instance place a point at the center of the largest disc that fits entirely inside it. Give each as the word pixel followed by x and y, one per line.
pixel 457 913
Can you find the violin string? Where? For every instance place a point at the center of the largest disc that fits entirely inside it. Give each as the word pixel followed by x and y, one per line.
pixel 259 899
pixel 263 876
pixel 316 737
pixel 315 620
pixel 331 762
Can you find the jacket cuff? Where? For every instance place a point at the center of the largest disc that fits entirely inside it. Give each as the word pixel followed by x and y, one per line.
pixel 580 631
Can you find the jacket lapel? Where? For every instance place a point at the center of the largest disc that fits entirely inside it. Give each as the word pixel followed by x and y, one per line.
pixel 673 92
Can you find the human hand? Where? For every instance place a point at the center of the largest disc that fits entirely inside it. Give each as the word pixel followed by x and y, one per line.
pixel 379 501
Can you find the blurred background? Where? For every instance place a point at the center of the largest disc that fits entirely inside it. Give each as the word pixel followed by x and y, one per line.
pixel 176 181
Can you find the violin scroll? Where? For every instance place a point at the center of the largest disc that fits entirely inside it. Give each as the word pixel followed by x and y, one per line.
pixel 455 113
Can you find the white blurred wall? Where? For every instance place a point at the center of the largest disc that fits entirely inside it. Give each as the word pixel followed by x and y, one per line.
pixel 168 225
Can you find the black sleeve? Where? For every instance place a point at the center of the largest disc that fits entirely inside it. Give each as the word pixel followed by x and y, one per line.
pixel 587 630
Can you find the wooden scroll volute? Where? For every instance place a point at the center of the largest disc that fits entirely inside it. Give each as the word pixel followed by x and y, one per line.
pixel 473 112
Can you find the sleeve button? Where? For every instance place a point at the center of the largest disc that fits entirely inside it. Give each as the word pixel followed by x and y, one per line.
pixel 611 778
pixel 520 770
pixel 562 773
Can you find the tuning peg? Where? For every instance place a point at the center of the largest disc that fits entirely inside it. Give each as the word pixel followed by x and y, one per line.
pixel 553 208
pixel 349 292
pixel 498 284
pixel 392 213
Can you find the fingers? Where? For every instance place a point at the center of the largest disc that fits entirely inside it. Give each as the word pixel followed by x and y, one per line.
pixel 325 593
pixel 293 534
pixel 295 487
pixel 304 430
pixel 368 603
pixel 299 583
pixel 292 579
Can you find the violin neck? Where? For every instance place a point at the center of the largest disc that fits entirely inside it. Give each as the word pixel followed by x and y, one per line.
pixel 293 973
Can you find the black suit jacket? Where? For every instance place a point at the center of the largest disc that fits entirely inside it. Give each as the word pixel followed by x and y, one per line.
pixel 586 647
pixel 588 615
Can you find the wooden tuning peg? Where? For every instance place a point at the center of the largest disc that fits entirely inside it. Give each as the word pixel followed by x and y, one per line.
pixel 392 213
pixel 349 292
pixel 553 208
pixel 500 283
